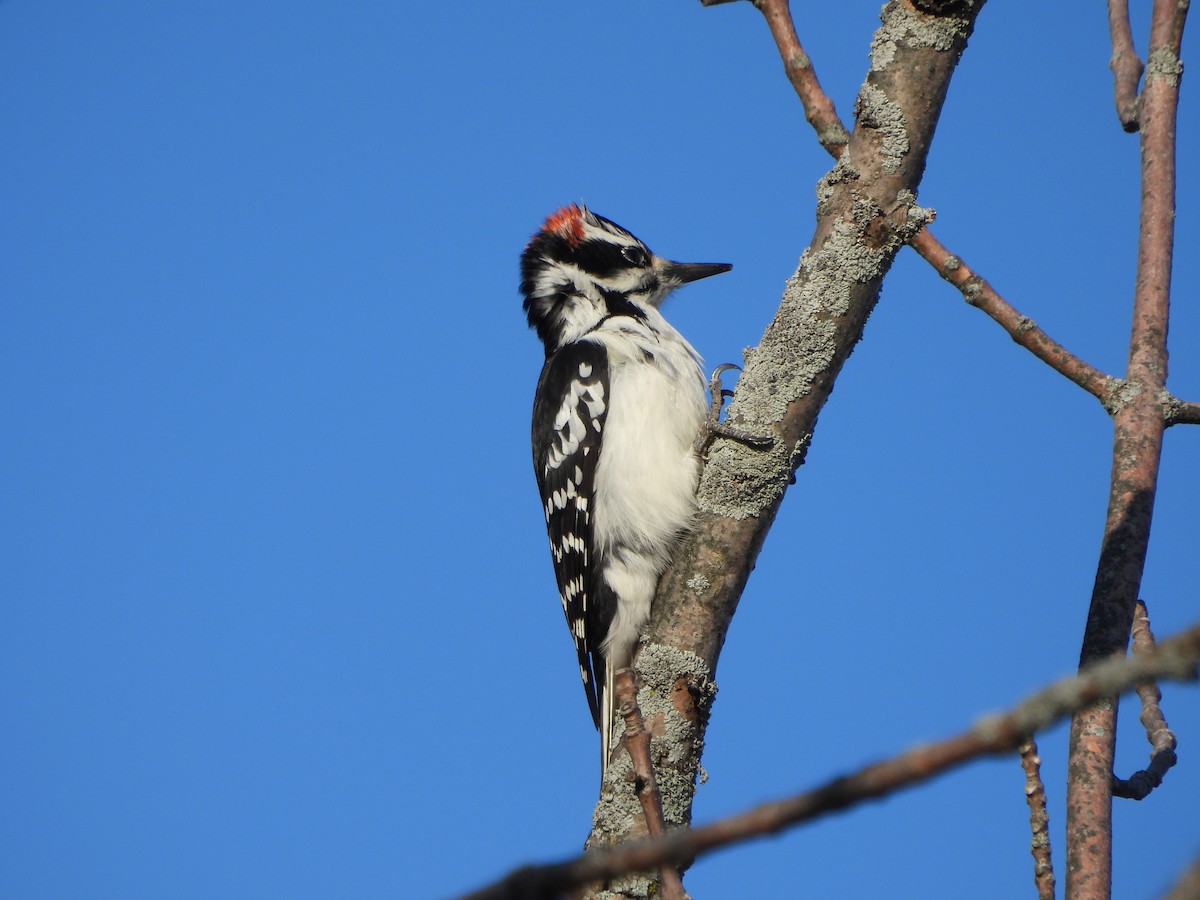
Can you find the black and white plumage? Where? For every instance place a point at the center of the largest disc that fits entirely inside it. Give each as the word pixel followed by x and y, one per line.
pixel 619 405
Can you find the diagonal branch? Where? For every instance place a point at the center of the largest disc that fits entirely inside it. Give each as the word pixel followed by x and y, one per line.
pixel 866 212
pixel 818 107
pixel 1177 658
pixel 979 293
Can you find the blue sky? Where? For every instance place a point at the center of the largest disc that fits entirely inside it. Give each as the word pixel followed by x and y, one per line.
pixel 278 617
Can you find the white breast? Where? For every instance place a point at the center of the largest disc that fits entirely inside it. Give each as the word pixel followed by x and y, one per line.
pixel 647 474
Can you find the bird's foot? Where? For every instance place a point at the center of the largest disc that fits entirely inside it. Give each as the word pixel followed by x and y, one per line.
pixel 714 428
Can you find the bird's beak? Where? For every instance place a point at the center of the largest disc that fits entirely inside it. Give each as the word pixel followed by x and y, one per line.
pixel 685 272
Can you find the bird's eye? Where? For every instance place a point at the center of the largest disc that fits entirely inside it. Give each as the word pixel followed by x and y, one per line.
pixel 634 255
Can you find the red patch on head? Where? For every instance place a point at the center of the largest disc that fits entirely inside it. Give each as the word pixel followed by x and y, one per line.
pixel 566 223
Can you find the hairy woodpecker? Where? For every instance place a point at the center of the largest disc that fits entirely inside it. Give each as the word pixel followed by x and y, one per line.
pixel 619 406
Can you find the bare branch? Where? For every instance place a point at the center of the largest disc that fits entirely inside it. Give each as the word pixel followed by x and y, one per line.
pixel 979 293
pixel 1162 740
pixel 866 212
pixel 1180 412
pixel 820 113
pixel 1039 820
pixel 1138 427
pixel 818 108
pixel 637 742
pixel 1177 658
pixel 1125 64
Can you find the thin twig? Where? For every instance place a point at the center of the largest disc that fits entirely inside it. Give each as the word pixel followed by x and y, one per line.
pixel 979 293
pixel 818 107
pixel 1181 412
pixel 1125 64
pixel 1176 658
pixel 637 743
pixel 1162 740
pixel 1039 820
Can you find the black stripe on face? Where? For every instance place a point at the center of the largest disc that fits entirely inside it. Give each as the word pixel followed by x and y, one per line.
pixel 601 258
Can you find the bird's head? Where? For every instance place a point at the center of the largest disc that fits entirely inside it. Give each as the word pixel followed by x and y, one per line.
pixel 581 268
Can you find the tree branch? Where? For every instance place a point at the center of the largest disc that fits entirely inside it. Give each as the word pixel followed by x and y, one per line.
pixel 1138 426
pixel 818 108
pixel 1177 658
pixel 1180 412
pixel 1039 820
pixel 1162 740
pixel 980 294
pixel 637 743
pixel 866 212
pixel 820 113
pixel 1125 64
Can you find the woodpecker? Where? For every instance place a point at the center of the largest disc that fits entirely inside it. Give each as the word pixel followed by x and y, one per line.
pixel 620 405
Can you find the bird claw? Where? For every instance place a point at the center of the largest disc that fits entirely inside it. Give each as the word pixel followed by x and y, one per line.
pixel 713 426
pixel 718 392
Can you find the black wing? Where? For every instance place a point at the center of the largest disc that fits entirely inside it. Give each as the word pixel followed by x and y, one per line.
pixel 568 417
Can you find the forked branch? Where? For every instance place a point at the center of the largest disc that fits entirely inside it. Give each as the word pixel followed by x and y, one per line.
pixel 820 113
pixel 1138 427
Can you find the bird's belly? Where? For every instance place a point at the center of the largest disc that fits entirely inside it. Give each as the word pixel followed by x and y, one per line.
pixel 647 473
